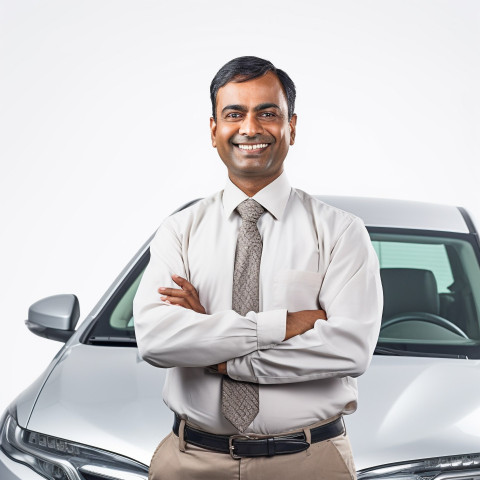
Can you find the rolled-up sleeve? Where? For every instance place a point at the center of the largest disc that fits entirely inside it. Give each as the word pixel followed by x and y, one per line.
pixel 170 335
pixel 343 345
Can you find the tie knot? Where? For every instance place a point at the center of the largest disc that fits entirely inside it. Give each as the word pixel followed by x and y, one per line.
pixel 250 210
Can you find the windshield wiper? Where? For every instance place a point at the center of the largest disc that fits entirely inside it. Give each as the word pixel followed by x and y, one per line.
pixel 409 353
pixel 113 341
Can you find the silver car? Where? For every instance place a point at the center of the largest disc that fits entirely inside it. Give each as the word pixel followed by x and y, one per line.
pixel 97 411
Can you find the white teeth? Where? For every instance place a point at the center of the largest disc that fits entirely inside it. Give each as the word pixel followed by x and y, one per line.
pixel 252 147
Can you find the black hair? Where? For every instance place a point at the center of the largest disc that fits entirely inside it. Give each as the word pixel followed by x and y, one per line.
pixel 242 69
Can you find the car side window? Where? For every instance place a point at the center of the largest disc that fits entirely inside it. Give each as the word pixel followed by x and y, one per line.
pixel 122 315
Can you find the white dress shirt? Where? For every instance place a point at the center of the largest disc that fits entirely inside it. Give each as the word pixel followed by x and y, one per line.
pixel 314 256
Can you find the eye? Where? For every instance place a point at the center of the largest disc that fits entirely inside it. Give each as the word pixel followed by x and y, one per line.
pixel 233 115
pixel 267 115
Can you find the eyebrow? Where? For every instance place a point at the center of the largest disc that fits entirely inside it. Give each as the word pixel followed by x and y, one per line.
pixel 243 108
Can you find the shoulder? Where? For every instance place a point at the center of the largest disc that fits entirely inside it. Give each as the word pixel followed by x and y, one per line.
pixel 338 230
pixel 328 217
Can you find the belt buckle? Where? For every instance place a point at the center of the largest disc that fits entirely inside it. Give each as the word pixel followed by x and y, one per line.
pixel 231 446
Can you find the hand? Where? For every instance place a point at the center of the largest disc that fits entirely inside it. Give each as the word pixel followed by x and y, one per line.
pixel 219 368
pixel 301 322
pixel 186 296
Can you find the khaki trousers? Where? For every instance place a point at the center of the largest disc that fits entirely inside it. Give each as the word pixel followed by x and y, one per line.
pixel 328 460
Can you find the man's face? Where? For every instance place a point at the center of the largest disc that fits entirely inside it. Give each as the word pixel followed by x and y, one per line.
pixel 252 133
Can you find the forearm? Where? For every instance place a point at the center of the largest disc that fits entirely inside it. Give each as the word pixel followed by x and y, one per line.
pixel 169 336
pixel 333 348
pixel 296 324
pixel 343 345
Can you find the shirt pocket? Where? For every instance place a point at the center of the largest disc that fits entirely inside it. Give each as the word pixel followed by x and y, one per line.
pixel 297 290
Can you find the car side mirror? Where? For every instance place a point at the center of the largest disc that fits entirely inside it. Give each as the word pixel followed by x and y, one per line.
pixel 54 317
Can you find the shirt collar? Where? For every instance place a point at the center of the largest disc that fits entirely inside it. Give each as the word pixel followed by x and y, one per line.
pixel 273 197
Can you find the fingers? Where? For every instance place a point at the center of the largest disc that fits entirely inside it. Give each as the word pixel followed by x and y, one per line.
pixel 186 290
pixel 182 302
pixel 186 296
pixel 173 292
pixel 184 284
pixel 175 296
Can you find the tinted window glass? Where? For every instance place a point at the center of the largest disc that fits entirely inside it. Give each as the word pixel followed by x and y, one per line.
pixel 430 303
pixel 428 256
pixel 121 317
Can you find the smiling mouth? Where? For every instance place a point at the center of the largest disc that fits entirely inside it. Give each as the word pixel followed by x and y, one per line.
pixel 250 147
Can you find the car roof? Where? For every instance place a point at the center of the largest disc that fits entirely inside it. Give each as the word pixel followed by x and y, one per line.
pixel 381 212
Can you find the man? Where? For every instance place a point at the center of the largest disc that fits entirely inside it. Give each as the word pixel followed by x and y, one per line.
pixel 264 301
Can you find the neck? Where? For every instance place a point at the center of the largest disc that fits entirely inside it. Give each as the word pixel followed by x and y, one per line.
pixel 252 185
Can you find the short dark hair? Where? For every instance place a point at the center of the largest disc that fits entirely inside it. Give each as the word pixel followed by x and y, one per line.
pixel 242 69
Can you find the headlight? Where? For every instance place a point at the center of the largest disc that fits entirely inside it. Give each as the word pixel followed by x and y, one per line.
pixel 458 467
pixel 59 459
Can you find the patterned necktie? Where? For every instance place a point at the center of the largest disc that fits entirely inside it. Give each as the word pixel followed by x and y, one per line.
pixel 240 399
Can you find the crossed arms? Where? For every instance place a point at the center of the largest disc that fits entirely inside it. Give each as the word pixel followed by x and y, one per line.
pixel 266 347
pixel 187 297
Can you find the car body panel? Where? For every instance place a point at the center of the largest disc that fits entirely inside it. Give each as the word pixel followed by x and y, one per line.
pixel 10 470
pixel 106 397
pixel 109 398
pixel 415 407
pixel 25 401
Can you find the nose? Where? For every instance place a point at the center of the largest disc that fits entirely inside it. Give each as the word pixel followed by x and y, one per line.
pixel 250 126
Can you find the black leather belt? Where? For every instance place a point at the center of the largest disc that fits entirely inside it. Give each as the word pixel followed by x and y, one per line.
pixel 239 446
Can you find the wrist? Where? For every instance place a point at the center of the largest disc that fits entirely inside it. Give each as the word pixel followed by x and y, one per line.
pixel 288 326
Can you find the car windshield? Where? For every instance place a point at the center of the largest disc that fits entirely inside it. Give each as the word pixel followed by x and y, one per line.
pixel 430 303
pixel 431 296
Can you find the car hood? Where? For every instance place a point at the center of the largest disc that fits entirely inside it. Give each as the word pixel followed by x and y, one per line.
pixel 414 408
pixel 106 397
pixel 409 408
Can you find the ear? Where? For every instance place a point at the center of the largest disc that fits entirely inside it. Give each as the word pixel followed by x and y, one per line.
pixel 293 126
pixel 213 132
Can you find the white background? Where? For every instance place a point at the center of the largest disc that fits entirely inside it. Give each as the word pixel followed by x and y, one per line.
pixel 104 114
